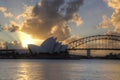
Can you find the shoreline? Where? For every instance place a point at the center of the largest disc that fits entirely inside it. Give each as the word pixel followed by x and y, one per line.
pixel 61 58
pixel 53 56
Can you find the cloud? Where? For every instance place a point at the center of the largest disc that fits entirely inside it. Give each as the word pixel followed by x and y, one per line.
pixel 2 9
pixel 12 27
pixel 27 12
pixel 5 12
pixel 77 19
pixel 70 39
pixel 105 23
pixel 16 25
pixel 51 18
pixel 115 18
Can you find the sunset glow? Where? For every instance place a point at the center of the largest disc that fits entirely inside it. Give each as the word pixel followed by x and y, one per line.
pixel 26 39
pixel 59 39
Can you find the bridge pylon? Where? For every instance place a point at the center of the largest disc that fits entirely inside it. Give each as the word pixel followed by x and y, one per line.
pixel 88 53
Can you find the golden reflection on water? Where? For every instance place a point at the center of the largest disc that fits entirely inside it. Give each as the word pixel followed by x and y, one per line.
pixel 43 71
pixel 29 71
pixel 23 71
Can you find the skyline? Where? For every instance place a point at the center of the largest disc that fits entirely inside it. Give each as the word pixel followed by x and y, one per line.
pixel 92 18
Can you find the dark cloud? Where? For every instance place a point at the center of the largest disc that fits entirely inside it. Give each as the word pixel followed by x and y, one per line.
pixel 51 17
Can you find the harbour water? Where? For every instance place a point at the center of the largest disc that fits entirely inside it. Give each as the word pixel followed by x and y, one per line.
pixel 21 69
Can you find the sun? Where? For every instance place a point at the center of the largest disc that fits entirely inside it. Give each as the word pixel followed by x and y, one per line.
pixel 26 39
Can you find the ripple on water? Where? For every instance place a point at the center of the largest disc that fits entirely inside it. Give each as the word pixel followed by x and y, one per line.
pixel 59 70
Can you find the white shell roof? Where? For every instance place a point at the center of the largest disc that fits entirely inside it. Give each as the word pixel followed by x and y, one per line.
pixel 50 45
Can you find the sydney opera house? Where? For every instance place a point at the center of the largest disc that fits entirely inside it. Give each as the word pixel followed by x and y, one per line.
pixel 49 49
pixel 50 46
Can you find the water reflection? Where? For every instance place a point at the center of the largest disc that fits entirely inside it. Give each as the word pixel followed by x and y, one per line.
pixel 45 70
pixel 29 71
pixel 23 71
pixel 59 70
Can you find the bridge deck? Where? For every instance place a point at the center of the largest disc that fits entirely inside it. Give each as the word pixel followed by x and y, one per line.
pixel 95 49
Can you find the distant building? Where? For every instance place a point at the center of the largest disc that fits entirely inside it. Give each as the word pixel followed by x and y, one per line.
pixel 50 45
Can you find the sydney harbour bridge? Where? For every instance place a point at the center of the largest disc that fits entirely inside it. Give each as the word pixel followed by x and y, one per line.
pixel 96 42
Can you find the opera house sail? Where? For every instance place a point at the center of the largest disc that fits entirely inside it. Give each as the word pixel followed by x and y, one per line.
pixel 50 45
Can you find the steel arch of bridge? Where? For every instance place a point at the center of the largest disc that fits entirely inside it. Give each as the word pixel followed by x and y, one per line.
pixel 75 45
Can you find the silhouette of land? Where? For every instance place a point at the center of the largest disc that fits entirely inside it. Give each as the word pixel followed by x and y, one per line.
pixel 12 54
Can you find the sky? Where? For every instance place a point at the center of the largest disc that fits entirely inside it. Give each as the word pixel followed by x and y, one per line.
pixel 30 18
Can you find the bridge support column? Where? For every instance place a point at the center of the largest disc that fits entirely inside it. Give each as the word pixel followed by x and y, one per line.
pixel 88 53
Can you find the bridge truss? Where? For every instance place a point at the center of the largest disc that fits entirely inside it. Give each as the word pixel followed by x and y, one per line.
pixel 97 42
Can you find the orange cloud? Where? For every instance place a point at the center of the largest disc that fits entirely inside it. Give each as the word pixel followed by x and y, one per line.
pixel 105 23
pixel 115 18
pixel 77 19
pixel 114 21
pixel 5 12
pixel 27 12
